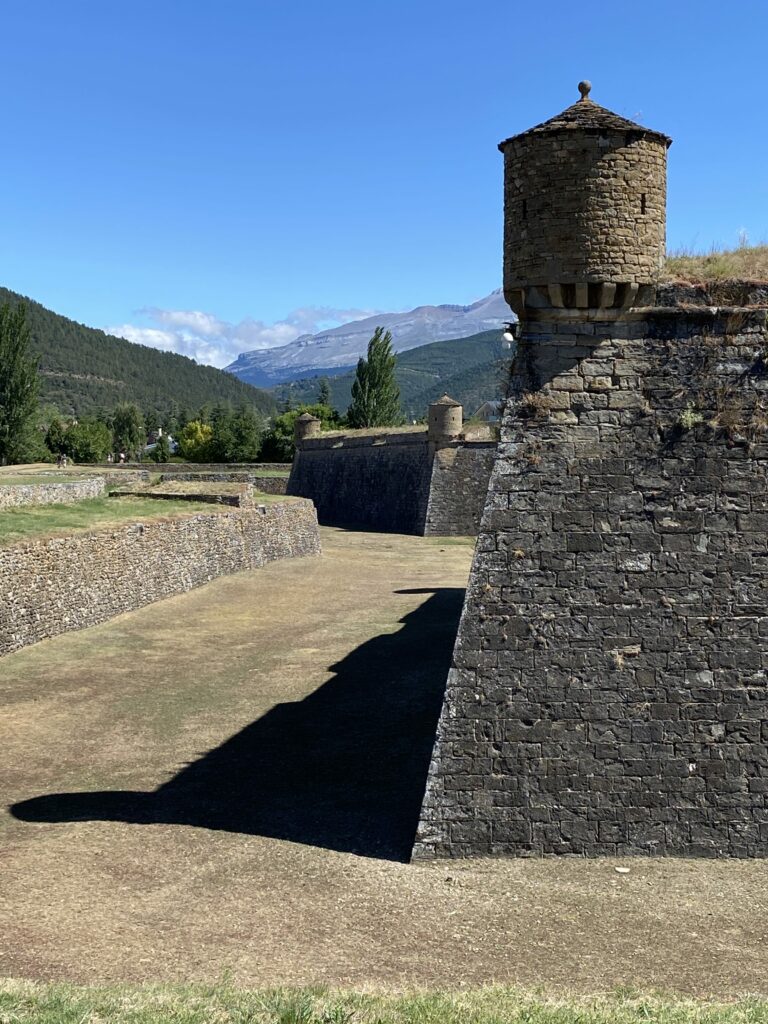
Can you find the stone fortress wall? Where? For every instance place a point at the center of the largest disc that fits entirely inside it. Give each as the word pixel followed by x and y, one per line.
pixel 609 686
pixel 51 492
pixel 608 693
pixel 380 482
pixel 426 482
pixel 49 586
pixel 457 489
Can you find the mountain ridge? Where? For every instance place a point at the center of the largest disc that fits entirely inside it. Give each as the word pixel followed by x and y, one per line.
pixel 468 369
pixel 332 351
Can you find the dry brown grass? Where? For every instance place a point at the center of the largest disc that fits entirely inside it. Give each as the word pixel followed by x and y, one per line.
pixel 747 262
pixel 308 668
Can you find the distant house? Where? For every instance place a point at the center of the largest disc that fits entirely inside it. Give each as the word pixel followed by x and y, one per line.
pixel 490 412
pixel 154 436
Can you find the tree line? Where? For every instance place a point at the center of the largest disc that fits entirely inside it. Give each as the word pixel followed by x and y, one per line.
pixel 220 432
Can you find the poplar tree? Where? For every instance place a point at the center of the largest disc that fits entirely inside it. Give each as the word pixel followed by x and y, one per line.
pixel 18 385
pixel 375 393
pixel 128 429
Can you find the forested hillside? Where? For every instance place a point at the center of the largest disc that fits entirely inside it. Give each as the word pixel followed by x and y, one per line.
pixel 471 370
pixel 83 370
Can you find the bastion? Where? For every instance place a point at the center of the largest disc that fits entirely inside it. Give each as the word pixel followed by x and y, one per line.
pixel 608 693
pixel 429 482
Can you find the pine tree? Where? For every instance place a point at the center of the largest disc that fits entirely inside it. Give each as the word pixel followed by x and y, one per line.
pixel 375 393
pixel 18 386
pixel 324 392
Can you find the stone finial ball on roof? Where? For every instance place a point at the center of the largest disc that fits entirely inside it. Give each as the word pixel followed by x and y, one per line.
pixel 585 88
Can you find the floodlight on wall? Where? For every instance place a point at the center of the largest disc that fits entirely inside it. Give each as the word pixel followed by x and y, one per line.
pixel 509 336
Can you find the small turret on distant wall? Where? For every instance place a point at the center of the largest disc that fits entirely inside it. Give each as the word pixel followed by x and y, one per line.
pixel 444 420
pixel 409 480
pixel 306 426
pixel 584 214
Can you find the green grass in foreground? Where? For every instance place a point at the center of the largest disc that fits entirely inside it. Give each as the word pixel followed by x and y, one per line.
pixel 23 1002
pixel 36 520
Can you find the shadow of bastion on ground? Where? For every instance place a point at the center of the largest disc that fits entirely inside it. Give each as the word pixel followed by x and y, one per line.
pixel 344 768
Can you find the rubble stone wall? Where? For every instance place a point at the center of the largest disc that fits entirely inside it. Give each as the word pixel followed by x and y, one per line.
pixel 55 492
pixel 49 586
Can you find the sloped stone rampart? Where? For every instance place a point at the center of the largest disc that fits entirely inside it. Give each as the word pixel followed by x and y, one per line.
pixel 53 492
pixel 380 482
pixel 394 481
pixel 49 586
pixel 458 489
pixel 609 688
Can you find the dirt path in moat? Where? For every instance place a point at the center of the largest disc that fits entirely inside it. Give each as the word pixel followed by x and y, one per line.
pixel 229 780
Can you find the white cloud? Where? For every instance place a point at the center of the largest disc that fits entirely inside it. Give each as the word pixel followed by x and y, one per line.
pixel 206 338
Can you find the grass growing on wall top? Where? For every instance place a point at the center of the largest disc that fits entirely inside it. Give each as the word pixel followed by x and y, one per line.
pixel 25 1002
pixel 42 520
pixel 749 262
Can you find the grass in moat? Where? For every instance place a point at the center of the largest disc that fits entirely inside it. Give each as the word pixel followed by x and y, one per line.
pixel 23 1002
pixel 749 262
pixel 40 520
pixel 31 478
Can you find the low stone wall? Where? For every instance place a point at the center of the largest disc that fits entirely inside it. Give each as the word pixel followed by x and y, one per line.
pixel 265 484
pixel 52 585
pixel 270 484
pixel 244 499
pixel 124 476
pixel 57 492
pixel 458 489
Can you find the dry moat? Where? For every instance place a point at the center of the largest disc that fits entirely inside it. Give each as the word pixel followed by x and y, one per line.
pixel 251 810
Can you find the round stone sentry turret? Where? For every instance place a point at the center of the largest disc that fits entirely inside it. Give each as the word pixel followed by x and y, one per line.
pixel 444 419
pixel 584 214
pixel 306 426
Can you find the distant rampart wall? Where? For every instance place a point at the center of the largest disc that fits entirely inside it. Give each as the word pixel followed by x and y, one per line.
pixel 200 467
pixel 394 481
pixel 376 481
pixel 459 485
pixel 55 492
pixel 52 585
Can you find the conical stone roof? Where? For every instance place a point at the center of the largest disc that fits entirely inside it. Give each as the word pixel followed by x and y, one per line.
pixel 446 400
pixel 585 115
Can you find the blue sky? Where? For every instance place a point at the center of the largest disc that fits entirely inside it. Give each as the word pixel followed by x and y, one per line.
pixel 218 176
